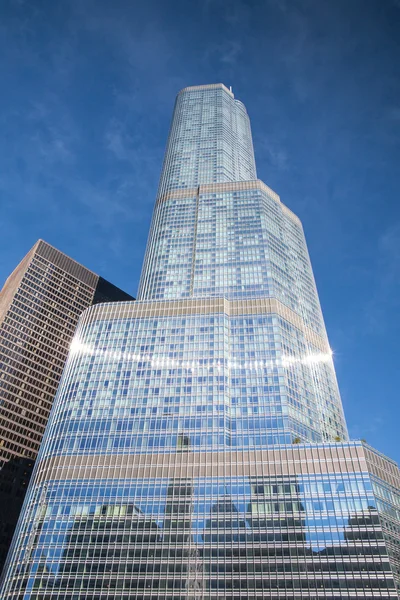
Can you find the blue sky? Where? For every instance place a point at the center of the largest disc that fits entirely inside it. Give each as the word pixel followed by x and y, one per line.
pixel 87 91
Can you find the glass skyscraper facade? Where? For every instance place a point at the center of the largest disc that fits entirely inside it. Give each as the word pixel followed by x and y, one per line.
pixel 197 446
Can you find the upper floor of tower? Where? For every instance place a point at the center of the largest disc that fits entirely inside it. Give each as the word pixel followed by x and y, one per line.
pixel 209 140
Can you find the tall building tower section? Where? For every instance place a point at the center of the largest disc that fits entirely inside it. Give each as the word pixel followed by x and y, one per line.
pixel 209 141
pixel 197 446
pixel 218 232
pixel 40 305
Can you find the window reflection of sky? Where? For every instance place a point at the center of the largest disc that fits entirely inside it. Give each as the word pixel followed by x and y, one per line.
pixel 328 505
pixel 222 510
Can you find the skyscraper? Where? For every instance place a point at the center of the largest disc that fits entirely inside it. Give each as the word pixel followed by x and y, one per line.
pixel 40 305
pixel 197 447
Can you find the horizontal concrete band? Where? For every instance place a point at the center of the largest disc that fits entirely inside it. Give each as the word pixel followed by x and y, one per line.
pixel 204 306
pixel 288 461
pixel 234 186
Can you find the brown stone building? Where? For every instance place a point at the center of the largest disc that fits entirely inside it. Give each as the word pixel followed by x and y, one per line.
pixel 40 305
